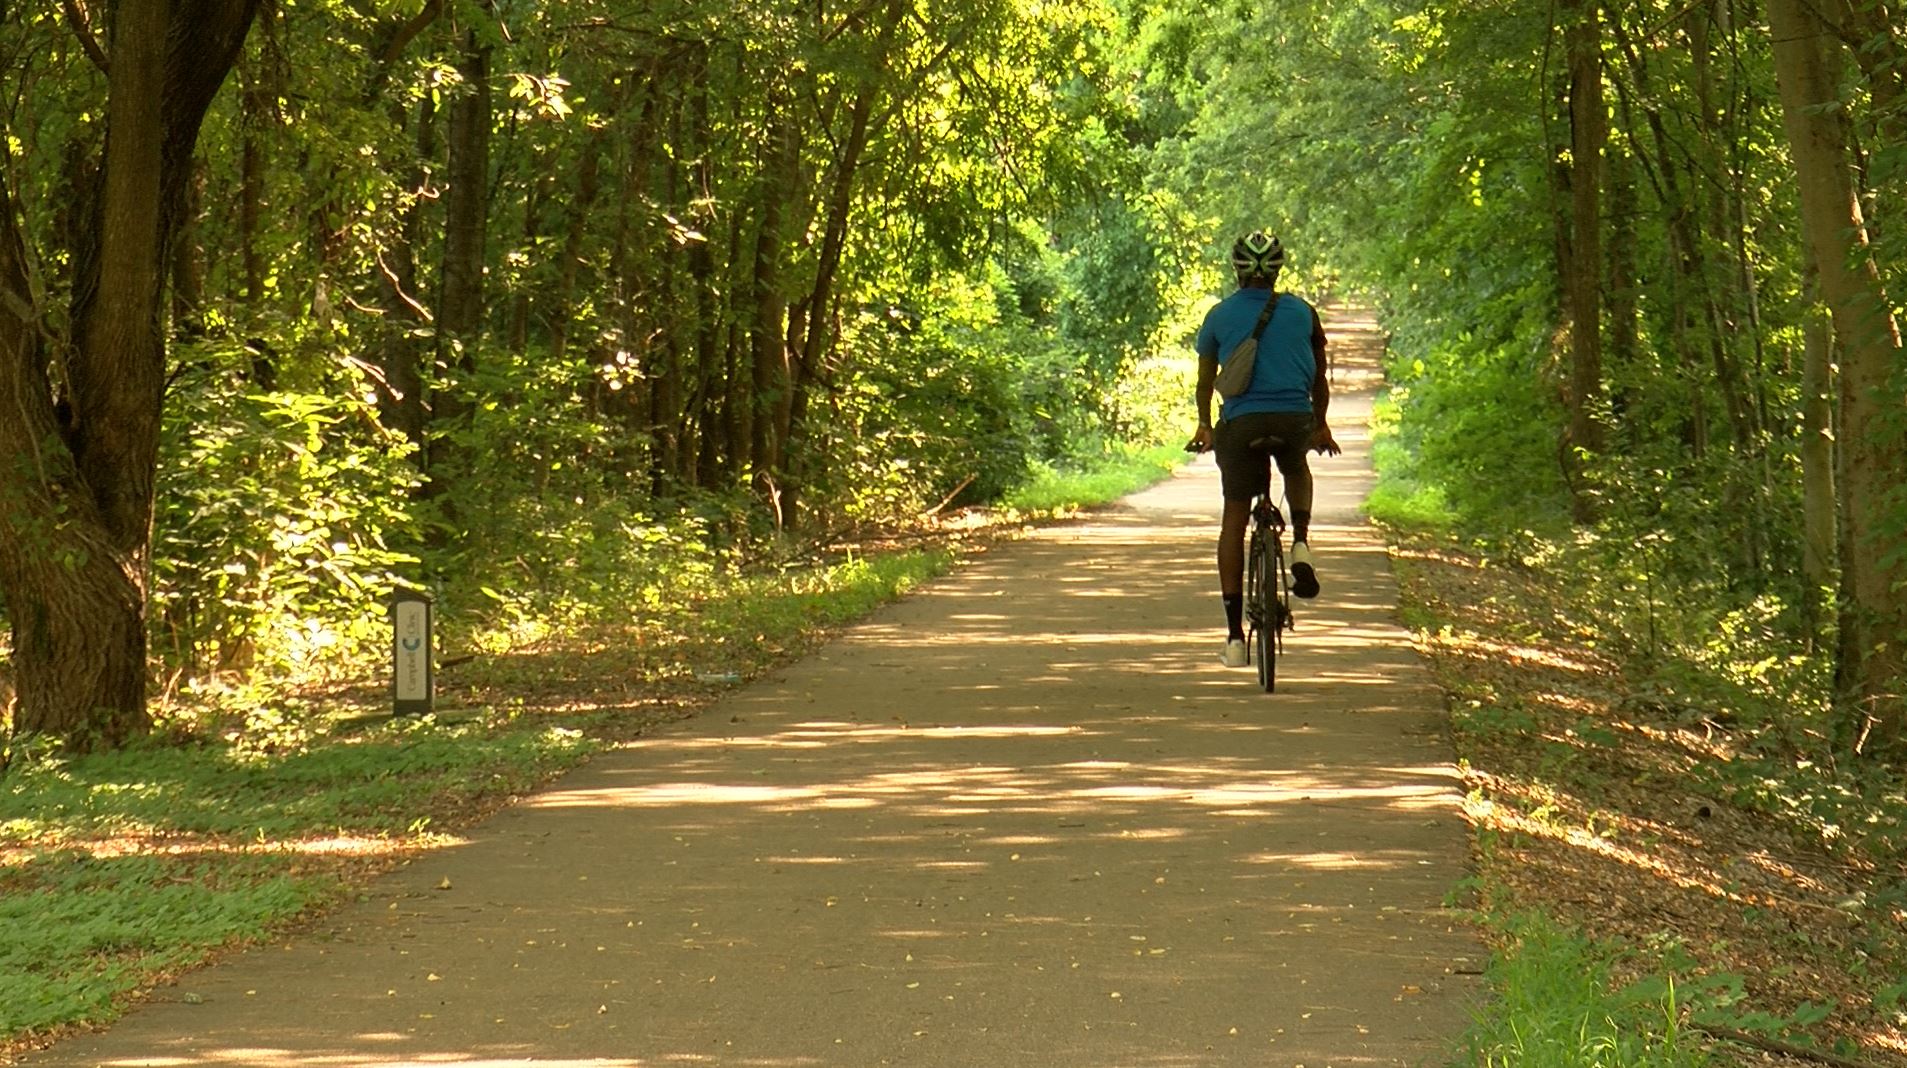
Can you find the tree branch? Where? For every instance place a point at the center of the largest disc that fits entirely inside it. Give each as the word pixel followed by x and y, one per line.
pixel 83 28
pixel 404 33
pixel 1775 1045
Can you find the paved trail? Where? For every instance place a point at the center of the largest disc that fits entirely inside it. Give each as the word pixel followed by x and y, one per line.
pixel 1021 820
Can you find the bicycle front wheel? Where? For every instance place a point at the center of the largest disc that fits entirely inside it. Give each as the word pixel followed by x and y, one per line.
pixel 1266 565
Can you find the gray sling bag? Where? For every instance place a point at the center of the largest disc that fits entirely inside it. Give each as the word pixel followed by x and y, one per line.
pixel 1235 377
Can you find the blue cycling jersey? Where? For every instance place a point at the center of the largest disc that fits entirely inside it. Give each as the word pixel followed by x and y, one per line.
pixel 1281 378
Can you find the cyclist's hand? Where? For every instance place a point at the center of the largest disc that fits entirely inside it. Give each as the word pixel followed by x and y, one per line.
pixel 1322 441
pixel 1201 440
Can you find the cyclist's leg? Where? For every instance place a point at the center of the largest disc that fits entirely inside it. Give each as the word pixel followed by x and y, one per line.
pixel 1244 473
pixel 1295 429
pixel 1293 463
pixel 1231 547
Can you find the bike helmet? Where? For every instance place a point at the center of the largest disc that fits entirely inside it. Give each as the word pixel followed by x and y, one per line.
pixel 1257 255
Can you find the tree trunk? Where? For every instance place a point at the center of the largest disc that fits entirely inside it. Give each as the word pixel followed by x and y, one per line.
pixel 1876 31
pixel 704 371
pixel 1820 528
pixel 188 261
pixel 466 232
pixel 1724 322
pixel 1588 126
pixel 582 205
pixel 401 392
pixel 1687 280
pixel 1625 313
pixel 1873 645
pixel 518 331
pixel 77 525
pixel 466 196
pixel 631 402
pixel 251 190
pixel 781 163
pixel 817 308
pixel 75 599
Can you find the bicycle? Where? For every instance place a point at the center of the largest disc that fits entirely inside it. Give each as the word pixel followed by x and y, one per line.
pixel 1267 575
pixel 1267 580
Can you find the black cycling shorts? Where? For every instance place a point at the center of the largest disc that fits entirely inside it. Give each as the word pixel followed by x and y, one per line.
pixel 1245 472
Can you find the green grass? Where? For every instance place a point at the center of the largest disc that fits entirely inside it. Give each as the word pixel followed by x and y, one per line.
pixel 792 602
pixel 1556 1005
pixel 1402 497
pixel 364 784
pixel 90 910
pixel 1121 471
pixel 91 929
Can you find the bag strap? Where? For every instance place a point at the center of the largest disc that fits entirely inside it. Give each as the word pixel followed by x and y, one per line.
pixel 1264 317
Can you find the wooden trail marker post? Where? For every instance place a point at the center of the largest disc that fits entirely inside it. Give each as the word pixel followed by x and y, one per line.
pixel 412 681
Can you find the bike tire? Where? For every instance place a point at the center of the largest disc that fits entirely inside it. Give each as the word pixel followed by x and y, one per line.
pixel 1266 565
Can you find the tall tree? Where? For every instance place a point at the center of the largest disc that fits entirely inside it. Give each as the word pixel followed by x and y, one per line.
pixel 460 306
pixel 78 463
pixel 1873 639
pixel 1588 126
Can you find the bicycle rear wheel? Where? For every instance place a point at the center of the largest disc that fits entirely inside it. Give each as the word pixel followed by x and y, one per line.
pixel 1267 564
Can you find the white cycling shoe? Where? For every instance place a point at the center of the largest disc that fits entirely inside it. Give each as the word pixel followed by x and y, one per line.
pixel 1304 577
pixel 1235 654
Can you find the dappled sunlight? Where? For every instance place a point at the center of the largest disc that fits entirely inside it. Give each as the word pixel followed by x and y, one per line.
pixel 1438 555
pixel 283 1058
pixel 1036 789
pixel 1653 862
pixel 173 844
pixel 1320 861
pixel 1481 648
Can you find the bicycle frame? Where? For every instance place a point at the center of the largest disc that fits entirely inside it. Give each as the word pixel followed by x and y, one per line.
pixel 1267 611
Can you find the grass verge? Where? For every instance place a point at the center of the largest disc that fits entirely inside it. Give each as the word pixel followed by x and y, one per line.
pixel 1559 1005
pixel 1123 470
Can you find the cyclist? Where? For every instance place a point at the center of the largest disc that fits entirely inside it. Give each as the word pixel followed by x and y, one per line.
pixel 1287 399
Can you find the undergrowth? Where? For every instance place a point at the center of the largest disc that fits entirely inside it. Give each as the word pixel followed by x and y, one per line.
pixel 1558 1005
pixel 1680 847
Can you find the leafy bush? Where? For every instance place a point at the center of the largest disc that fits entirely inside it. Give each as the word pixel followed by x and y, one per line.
pixel 278 513
pixel 1493 465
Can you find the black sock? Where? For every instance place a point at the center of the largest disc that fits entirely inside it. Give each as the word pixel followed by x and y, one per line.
pixel 1235 616
pixel 1300 525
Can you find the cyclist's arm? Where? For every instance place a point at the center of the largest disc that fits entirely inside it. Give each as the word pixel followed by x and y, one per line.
pixel 1206 345
pixel 1202 398
pixel 1321 438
